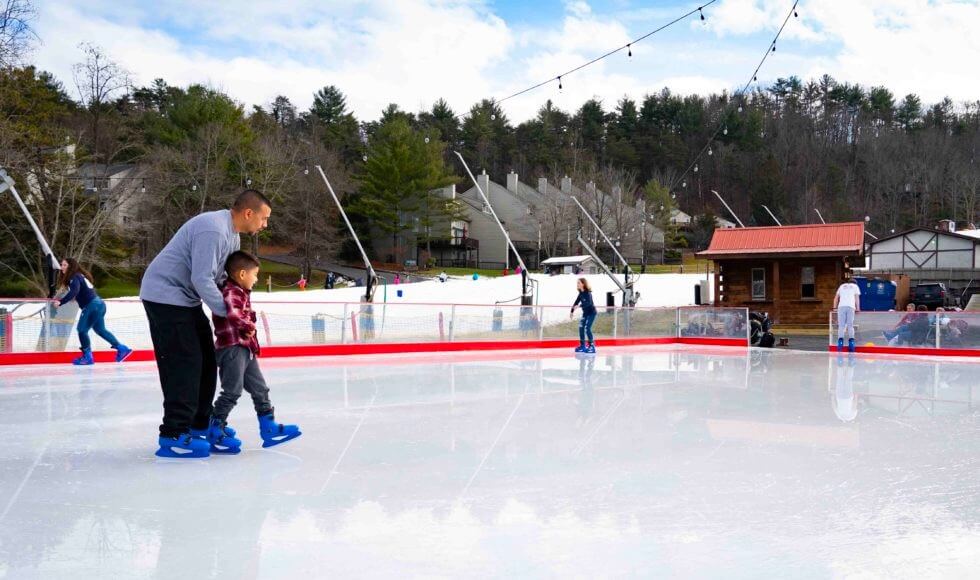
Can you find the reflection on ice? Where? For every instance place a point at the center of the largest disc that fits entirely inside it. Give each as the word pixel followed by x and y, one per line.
pixel 631 462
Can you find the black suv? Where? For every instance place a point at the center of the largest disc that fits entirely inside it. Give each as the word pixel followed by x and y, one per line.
pixel 931 294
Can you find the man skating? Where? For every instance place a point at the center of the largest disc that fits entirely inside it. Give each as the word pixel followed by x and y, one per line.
pixel 185 273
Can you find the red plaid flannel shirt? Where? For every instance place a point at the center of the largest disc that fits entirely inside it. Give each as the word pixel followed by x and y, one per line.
pixel 238 329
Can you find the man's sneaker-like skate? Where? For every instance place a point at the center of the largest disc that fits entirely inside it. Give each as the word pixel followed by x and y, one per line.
pixel 183 446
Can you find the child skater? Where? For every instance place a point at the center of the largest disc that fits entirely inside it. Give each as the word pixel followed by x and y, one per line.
pixel 80 288
pixel 237 351
pixel 588 316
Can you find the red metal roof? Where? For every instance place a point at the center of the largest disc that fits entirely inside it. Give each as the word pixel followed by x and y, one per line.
pixel 844 238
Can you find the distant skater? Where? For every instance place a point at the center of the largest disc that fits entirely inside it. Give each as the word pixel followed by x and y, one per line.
pixel 82 290
pixel 588 316
pixel 847 302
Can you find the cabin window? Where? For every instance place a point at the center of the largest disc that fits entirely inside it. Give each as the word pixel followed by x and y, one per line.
pixel 758 283
pixel 808 287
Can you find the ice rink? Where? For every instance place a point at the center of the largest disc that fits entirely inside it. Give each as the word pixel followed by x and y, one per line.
pixel 659 461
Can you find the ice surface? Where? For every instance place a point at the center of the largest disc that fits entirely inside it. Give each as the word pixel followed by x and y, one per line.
pixel 638 462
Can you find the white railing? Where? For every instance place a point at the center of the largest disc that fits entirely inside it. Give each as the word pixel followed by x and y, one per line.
pixel 913 330
pixel 32 326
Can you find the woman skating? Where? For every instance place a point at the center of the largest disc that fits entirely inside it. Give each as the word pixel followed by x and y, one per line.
pixel 82 290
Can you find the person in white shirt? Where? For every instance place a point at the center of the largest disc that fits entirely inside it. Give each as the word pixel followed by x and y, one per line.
pixel 846 303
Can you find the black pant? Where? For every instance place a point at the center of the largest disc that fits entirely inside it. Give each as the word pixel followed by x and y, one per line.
pixel 184 348
pixel 239 370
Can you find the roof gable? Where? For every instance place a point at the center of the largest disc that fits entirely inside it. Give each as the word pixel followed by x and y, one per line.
pixel 843 238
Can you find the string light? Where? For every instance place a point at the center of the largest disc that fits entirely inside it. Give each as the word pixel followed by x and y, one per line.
pixel 426 140
pixel 725 131
pixel 695 169
pixel 143 187
pixel 364 158
pixel 722 126
pixel 795 14
pixel 194 187
pixel 306 171
pixel 628 47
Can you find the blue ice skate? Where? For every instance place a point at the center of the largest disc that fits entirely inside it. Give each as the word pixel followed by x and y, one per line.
pixel 219 439
pixel 183 447
pixel 275 433
pixel 84 360
pixel 123 352
pixel 850 345
pixel 840 345
pixel 590 349
pixel 580 348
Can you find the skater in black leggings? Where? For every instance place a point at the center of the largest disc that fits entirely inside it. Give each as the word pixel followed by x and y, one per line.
pixel 588 316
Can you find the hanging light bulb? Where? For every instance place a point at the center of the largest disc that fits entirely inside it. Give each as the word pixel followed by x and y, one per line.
pixel 143 187
pixel 493 117
pixel 740 108
pixel 426 140
pixel 795 14
pixel 774 47
pixel 710 152
pixel 559 83
pixel 306 171
pixel 684 185
pixel 725 131
pixel 194 187
pixel 755 78
pixel 695 168
pixel 364 158
pixel 701 13
pixel 248 181
pixel 629 50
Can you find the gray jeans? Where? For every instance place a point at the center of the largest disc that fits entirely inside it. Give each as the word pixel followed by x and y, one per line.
pixel 239 370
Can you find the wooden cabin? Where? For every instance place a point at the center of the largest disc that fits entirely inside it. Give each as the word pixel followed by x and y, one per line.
pixel 791 272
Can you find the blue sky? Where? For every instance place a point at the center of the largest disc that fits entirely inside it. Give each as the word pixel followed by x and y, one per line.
pixel 412 52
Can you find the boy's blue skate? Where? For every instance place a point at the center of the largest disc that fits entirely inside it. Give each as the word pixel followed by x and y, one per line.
pixel 183 446
pixel 590 349
pixel 275 433
pixel 850 345
pixel 123 352
pixel 580 348
pixel 218 437
pixel 84 360
pixel 840 345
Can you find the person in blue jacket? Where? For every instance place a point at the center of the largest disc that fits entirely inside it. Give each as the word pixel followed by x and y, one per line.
pixel 80 289
pixel 588 316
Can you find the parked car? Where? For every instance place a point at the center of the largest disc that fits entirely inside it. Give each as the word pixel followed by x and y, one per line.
pixel 931 294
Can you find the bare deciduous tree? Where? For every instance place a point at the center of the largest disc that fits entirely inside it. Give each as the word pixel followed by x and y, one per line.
pixel 16 34
pixel 98 80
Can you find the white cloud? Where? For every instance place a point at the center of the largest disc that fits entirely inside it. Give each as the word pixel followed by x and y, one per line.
pixel 412 52
pixel 921 46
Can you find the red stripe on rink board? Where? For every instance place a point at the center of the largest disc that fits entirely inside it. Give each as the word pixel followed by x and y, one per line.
pixel 39 358
pixel 963 352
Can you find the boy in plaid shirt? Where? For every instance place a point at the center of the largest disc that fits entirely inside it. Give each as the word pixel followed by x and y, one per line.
pixel 237 354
